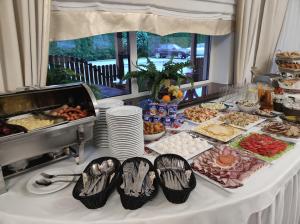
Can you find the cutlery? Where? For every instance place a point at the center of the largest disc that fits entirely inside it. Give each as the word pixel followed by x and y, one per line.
pixel 45 182
pixel 50 176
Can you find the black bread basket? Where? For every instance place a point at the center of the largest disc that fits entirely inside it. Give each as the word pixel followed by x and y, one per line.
pixel 176 196
pixel 97 200
pixel 131 202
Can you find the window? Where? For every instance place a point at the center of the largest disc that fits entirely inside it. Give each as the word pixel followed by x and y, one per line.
pixel 181 47
pixel 100 61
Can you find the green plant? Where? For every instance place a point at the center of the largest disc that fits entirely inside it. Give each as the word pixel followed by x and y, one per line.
pixel 155 79
pixel 61 75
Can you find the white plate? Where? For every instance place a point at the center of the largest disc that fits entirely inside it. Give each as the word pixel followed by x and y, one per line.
pixel 133 153
pixel 123 124
pixel 133 122
pixel 124 111
pixel 34 188
pixel 123 119
pixel 153 147
pixel 123 146
pixel 109 103
pixel 126 133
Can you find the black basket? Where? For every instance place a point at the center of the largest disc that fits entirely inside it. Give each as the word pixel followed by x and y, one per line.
pixel 177 196
pixel 131 202
pixel 97 200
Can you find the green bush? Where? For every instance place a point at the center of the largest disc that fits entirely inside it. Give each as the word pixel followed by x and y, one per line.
pixel 60 75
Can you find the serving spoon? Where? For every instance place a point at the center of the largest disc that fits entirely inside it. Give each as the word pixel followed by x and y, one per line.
pixel 50 176
pixel 44 182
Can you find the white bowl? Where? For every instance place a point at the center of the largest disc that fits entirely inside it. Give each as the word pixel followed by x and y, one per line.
pixel 248 109
pixel 154 136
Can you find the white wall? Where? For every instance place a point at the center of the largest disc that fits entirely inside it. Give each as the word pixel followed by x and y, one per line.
pixel 221 59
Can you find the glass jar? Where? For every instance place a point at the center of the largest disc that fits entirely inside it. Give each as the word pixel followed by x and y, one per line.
pixel 266 100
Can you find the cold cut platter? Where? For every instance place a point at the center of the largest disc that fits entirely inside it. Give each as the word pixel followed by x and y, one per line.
pixel 226 167
pixel 283 131
pixel 263 146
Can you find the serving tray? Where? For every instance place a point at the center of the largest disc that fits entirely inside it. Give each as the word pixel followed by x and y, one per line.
pixel 154 146
pixel 199 130
pixel 236 144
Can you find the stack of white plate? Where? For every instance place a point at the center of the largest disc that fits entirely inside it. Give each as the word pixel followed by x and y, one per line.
pixel 125 131
pixel 100 128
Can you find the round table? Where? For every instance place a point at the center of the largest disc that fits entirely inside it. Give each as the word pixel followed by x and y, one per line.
pixel 271 197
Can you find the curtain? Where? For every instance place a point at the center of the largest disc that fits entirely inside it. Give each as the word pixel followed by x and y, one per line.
pixel 72 19
pixel 258 25
pixel 24 41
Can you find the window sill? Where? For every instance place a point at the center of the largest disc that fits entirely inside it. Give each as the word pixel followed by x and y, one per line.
pixel 199 94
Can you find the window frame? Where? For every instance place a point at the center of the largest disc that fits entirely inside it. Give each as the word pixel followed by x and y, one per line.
pixel 133 59
pixel 220 48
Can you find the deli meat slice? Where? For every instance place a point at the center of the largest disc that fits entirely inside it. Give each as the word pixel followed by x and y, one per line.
pixel 227 166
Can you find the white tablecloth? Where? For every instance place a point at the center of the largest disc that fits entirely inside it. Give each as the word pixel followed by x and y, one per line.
pixel 272 196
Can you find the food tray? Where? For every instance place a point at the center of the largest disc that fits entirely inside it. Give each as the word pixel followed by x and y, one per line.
pixel 131 202
pixel 229 190
pixel 177 196
pixel 249 126
pixel 196 122
pixel 288 70
pixel 289 87
pixel 203 132
pixel 266 116
pixel 97 200
pixel 220 110
pixel 203 122
pixel 57 121
pixel 234 173
pixel 280 136
pixel 154 146
pixel 15 129
pixel 235 144
pixel 284 58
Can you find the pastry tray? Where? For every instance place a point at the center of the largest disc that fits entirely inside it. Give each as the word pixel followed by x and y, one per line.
pixel 203 132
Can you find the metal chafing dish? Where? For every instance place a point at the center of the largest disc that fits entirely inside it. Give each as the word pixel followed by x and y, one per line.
pixel 20 146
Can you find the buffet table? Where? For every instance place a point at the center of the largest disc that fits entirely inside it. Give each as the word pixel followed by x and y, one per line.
pixel 273 197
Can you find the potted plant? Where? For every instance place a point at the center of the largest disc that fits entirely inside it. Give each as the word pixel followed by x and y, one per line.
pixel 162 83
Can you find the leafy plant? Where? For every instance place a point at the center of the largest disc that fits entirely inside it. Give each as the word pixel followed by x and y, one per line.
pixel 155 79
pixel 61 75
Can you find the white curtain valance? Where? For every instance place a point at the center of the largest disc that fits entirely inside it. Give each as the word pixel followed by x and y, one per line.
pixel 71 19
